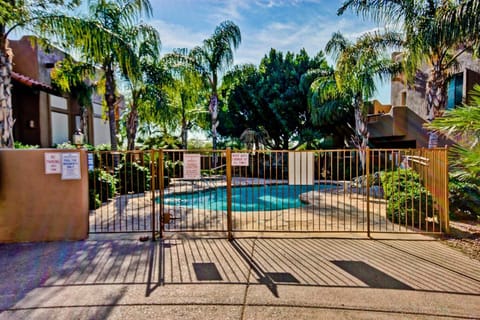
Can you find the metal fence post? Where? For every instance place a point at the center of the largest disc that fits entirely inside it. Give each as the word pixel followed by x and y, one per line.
pixel 161 175
pixel 228 155
pixel 153 169
pixel 446 216
pixel 367 177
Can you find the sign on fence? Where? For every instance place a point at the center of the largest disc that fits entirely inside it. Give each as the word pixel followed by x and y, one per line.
pixel 240 159
pixel 191 166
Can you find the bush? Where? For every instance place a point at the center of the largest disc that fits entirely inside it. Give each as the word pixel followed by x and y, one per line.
pixel 407 199
pixel 133 177
pixel 19 145
pixel 102 186
pixel 464 199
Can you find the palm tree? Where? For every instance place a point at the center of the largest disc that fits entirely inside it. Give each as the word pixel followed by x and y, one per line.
pixel 214 57
pixel 330 109
pixel 145 87
pixel 186 98
pixel 253 138
pixel 109 37
pixel 357 66
pixel 463 125
pixel 27 15
pixel 75 78
pixel 435 33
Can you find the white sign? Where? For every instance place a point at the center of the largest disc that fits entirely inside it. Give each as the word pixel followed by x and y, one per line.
pixel 71 166
pixel 53 163
pixel 240 159
pixel 191 166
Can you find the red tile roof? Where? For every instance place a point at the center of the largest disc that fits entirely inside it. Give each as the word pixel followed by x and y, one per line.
pixel 32 83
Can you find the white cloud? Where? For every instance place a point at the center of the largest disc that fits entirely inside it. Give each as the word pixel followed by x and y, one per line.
pixel 229 10
pixel 178 36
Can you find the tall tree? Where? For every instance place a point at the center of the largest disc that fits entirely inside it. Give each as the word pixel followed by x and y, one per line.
pixel 357 66
pixel 108 36
pixel 186 98
pixel 214 57
pixel 271 99
pixel 28 15
pixel 331 110
pixel 435 34
pixel 145 86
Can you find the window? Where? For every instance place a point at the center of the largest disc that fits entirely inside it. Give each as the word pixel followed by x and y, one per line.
pixel 59 119
pixel 455 91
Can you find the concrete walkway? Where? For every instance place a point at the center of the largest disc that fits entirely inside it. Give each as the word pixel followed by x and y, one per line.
pixel 249 278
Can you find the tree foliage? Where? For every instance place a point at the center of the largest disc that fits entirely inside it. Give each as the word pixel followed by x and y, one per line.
pixel 211 59
pixel 270 99
pixel 435 34
pixel 463 125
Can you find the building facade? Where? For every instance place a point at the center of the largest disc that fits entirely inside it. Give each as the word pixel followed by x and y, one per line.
pixel 400 124
pixel 43 115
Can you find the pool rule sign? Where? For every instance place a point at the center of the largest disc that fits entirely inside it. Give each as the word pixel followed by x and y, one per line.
pixel 71 166
pixel 191 166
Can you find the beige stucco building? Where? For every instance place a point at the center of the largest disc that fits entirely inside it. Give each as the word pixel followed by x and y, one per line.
pixel 401 123
pixel 43 115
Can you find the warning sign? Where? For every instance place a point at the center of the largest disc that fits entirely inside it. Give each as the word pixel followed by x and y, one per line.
pixel 240 159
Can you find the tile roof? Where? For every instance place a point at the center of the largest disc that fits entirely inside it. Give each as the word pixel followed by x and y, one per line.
pixel 32 83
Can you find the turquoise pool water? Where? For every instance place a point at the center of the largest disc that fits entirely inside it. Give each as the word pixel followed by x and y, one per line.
pixel 246 198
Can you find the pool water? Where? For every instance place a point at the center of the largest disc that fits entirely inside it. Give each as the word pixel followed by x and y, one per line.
pixel 246 198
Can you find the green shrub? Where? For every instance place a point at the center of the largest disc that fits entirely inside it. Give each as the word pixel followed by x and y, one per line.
pixel 19 145
pixel 65 145
pixel 102 186
pixel 464 199
pixel 133 177
pixel 407 199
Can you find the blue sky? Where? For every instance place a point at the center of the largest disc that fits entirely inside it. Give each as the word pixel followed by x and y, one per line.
pixel 264 24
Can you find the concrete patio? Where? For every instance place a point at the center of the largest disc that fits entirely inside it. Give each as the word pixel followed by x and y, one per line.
pixel 181 277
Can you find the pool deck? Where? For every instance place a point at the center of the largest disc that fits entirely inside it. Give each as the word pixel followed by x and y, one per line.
pixel 183 277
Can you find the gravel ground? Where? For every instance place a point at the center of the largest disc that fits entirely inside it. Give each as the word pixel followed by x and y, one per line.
pixel 465 236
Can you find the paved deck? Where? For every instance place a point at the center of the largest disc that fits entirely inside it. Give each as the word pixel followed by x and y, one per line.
pixel 249 278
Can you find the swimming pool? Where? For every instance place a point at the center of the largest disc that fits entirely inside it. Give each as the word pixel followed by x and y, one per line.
pixel 246 198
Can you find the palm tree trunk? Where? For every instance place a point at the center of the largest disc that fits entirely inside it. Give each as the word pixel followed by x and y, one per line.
pixel 360 140
pixel 132 125
pixel 84 122
pixel 184 134
pixel 214 114
pixel 185 123
pixel 6 111
pixel 436 100
pixel 110 100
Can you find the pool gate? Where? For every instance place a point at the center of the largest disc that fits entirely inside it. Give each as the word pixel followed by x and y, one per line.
pixel 230 192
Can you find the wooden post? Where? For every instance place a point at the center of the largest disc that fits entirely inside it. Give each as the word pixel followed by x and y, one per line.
pixel 229 194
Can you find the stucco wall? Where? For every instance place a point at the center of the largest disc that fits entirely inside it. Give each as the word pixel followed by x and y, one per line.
pixel 35 206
